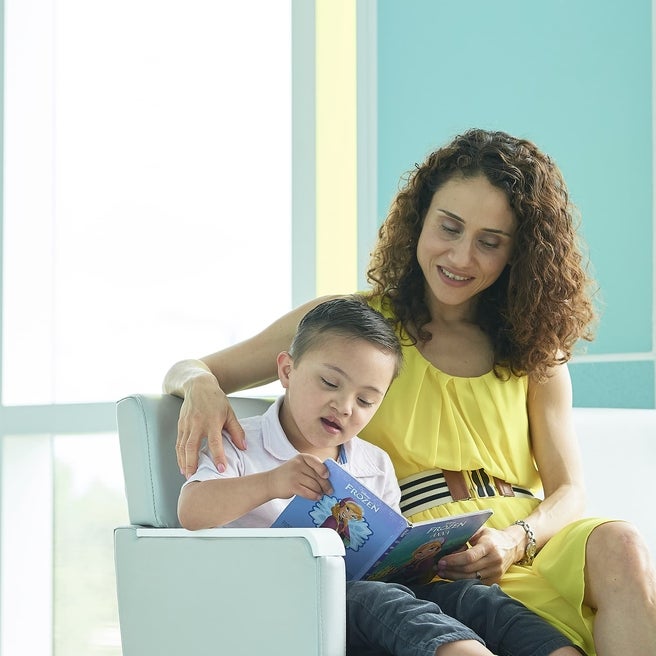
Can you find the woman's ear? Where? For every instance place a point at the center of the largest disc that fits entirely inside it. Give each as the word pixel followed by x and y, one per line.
pixel 285 365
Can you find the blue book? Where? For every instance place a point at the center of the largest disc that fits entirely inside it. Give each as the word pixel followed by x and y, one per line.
pixel 380 543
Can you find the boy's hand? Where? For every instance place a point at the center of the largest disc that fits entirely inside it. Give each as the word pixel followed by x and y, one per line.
pixel 304 475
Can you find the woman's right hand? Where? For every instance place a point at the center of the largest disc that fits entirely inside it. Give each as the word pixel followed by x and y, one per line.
pixel 205 412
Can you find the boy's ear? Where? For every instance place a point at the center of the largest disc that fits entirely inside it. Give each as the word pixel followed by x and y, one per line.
pixel 285 365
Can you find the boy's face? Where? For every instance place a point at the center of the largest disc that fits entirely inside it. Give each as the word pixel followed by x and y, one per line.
pixel 332 392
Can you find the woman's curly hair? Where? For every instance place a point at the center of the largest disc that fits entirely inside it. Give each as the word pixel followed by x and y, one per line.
pixel 540 306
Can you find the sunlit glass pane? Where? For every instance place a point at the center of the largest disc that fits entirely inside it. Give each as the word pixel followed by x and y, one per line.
pixel 147 188
pixel 89 503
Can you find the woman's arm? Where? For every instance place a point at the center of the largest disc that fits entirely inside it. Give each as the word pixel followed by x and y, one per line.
pixel 204 384
pixel 557 455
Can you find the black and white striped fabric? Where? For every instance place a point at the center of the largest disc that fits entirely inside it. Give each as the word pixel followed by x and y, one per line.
pixel 428 489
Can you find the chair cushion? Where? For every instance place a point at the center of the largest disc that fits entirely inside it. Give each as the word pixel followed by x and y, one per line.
pixel 147 428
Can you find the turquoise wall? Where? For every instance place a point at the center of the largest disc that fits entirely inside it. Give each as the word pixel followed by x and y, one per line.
pixel 574 77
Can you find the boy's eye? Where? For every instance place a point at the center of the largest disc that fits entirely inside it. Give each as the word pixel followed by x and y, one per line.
pixel 328 383
pixel 365 403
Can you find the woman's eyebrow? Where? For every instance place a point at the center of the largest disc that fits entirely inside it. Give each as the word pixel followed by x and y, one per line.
pixel 451 214
pixel 458 218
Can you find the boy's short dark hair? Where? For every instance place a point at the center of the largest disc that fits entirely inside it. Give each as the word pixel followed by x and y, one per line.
pixel 346 316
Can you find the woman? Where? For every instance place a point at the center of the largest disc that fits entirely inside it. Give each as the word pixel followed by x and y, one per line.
pixel 478 267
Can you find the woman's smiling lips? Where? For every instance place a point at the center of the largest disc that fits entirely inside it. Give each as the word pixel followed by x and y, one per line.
pixel 450 275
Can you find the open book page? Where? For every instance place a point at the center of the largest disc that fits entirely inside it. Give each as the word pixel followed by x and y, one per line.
pixel 366 524
pixel 370 529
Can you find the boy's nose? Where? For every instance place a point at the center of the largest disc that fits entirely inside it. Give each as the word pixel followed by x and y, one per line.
pixel 342 406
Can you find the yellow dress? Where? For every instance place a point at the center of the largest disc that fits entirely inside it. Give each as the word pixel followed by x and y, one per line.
pixel 430 420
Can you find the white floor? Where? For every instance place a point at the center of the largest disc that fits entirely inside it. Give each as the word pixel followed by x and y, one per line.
pixel 619 460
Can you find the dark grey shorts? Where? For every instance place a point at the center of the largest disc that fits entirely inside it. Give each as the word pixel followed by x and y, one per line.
pixel 388 618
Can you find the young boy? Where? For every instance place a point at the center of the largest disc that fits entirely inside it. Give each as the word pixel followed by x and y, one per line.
pixel 341 362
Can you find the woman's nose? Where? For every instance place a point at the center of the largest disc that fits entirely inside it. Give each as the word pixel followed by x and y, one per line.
pixel 461 252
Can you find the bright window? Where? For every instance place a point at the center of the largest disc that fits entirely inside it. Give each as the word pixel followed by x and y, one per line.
pixel 147 188
pixel 146 219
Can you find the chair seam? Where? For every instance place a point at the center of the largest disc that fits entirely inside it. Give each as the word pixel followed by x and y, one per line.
pixel 150 463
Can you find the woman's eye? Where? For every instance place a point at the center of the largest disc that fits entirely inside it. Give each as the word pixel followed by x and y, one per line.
pixel 327 383
pixel 489 244
pixel 449 229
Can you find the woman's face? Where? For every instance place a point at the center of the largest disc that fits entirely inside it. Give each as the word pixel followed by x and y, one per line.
pixel 466 240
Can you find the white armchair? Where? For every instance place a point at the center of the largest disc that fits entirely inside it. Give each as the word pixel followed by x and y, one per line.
pixel 218 591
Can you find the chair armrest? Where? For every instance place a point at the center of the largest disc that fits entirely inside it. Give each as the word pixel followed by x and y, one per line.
pixel 322 541
pixel 250 590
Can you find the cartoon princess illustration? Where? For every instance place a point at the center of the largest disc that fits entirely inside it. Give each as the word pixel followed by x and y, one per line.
pixel 344 516
pixel 341 514
pixel 422 565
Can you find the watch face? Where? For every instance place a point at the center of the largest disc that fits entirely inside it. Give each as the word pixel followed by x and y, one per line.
pixel 531 550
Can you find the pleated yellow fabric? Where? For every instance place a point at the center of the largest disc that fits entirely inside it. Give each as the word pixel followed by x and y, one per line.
pixel 432 420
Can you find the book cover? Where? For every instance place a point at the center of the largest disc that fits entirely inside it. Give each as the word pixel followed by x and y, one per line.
pixel 380 543
pixel 413 559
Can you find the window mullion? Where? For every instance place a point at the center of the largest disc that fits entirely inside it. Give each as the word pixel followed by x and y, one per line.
pixel 70 419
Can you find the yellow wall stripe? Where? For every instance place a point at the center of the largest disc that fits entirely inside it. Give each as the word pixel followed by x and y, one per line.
pixel 336 147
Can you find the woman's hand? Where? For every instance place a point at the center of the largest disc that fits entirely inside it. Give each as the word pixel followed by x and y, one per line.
pixel 204 384
pixel 491 553
pixel 205 412
pixel 304 475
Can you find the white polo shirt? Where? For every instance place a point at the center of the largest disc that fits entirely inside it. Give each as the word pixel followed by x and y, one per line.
pixel 268 447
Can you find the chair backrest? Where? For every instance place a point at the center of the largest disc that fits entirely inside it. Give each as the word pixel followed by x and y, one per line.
pixel 147 429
